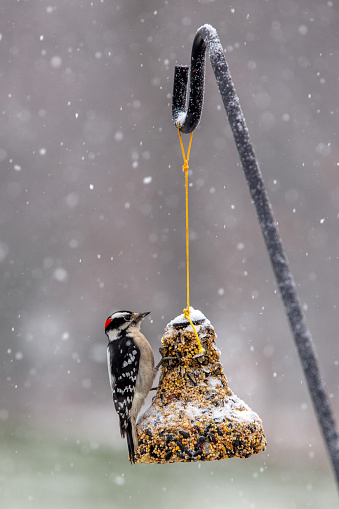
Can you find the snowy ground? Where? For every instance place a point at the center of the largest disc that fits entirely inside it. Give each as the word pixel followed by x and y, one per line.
pixel 64 467
pixel 53 474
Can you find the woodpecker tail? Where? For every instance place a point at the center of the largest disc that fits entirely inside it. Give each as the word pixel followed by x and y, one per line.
pixel 127 430
pixel 130 443
pixel 123 426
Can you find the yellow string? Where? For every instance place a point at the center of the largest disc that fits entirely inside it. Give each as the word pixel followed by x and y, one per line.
pixel 185 167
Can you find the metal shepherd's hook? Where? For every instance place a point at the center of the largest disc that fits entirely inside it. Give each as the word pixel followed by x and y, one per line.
pixel 206 39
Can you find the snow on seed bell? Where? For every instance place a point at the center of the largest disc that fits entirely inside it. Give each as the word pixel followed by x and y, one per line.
pixel 194 415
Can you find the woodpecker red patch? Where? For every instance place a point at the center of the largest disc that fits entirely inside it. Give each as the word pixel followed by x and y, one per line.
pixel 108 321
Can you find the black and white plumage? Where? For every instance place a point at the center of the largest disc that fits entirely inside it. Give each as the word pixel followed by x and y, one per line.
pixel 131 372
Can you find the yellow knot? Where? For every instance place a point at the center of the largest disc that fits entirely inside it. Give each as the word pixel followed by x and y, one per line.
pixel 184 156
pixel 201 349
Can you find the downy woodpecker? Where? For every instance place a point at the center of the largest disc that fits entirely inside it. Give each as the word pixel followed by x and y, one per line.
pixel 131 371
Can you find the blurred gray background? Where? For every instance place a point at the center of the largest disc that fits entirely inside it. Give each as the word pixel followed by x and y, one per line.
pixel 92 204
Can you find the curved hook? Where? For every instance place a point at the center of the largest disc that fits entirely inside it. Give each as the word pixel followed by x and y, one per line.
pixel 190 119
pixel 206 38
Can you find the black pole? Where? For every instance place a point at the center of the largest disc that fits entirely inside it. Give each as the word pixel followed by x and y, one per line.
pixel 206 39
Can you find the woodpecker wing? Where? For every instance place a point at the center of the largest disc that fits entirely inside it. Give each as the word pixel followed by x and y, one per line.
pixel 123 357
pixel 110 363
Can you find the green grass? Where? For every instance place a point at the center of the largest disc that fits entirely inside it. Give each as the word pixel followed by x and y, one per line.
pixel 40 472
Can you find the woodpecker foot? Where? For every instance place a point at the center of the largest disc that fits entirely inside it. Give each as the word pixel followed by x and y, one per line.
pixel 156 368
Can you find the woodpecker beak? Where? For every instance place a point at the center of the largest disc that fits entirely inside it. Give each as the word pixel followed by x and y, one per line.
pixel 140 316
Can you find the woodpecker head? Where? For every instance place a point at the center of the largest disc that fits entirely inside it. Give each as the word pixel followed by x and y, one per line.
pixel 119 322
